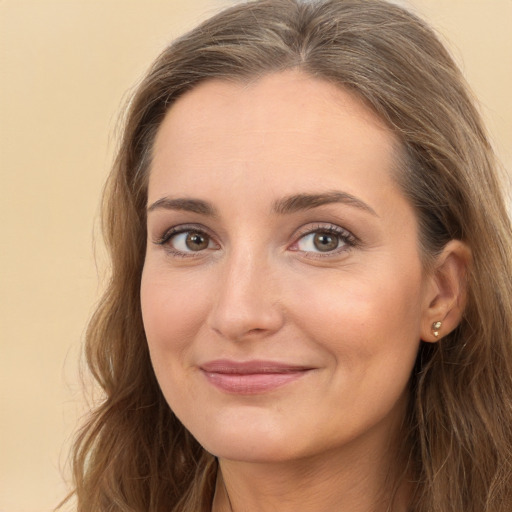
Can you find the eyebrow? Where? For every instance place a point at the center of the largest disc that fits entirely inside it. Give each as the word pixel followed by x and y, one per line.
pixel 284 206
pixel 300 202
pixel 185 204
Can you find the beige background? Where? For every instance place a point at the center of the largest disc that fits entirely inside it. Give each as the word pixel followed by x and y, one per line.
pixel 65 67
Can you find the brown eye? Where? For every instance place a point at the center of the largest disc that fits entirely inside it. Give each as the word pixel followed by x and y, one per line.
pixel 331 240
pixel 197 241
pixel 325 242
pixel 186 242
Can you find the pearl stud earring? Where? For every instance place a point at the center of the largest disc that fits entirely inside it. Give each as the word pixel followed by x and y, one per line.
pixel 435 328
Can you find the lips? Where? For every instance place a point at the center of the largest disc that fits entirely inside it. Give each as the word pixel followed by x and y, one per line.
pixel 251 377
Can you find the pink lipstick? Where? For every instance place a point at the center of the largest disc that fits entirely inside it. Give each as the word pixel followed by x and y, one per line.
pixel 251 377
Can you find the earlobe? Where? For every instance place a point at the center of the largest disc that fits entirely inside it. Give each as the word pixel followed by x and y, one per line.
pixel 446 292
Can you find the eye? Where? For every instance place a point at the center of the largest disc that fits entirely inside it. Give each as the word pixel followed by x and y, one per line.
pixel 331 239
pixel 190 241
pixel 320 241
pixel 186 241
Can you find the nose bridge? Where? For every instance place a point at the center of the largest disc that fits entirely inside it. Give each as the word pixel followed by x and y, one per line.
pixel 247 301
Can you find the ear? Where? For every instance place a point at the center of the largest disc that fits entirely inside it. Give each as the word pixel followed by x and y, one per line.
pixel 446 291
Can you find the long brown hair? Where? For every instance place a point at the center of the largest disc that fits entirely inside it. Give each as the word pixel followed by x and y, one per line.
pixel 133 454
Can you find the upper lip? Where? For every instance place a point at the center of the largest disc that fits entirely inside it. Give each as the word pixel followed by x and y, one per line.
pixel 251 367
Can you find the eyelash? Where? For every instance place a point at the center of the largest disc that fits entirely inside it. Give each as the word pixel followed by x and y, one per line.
pixel 346 237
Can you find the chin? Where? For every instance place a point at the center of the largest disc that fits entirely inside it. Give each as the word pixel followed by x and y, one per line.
pixel 245 451
pixel 250 444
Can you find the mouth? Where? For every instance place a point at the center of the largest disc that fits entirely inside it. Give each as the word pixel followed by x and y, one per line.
pixel 251 377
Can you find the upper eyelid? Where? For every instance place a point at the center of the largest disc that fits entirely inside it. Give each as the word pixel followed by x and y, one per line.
pixel 328 227
pixel 183 228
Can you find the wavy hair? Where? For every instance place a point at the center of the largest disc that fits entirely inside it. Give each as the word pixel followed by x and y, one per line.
pixel 133 454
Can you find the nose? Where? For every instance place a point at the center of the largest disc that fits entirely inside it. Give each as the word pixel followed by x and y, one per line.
pixel 247 304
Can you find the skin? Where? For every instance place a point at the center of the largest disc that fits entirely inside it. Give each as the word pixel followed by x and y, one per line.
pixel 260 289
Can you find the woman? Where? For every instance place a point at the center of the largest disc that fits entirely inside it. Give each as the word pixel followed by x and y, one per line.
pixel 309 306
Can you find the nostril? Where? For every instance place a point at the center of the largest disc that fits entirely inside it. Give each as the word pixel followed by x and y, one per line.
pixel 255 331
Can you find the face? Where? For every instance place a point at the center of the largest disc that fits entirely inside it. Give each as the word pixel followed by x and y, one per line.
pixel 282 290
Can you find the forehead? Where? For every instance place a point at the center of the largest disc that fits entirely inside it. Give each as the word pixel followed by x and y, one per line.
pixel 287 130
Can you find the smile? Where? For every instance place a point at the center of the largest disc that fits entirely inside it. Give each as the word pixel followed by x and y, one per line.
pixel 251 377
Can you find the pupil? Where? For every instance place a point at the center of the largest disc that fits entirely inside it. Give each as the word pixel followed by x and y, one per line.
pixel 325 242
pixel 196 242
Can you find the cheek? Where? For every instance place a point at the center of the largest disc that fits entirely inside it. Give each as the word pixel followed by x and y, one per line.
pixel 172 311
pixel 366 323
pixel 352 302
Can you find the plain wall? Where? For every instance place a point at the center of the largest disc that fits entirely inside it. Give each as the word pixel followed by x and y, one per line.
pixel 65 69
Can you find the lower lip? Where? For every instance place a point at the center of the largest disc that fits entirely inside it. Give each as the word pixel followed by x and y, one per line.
pixel 252 383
